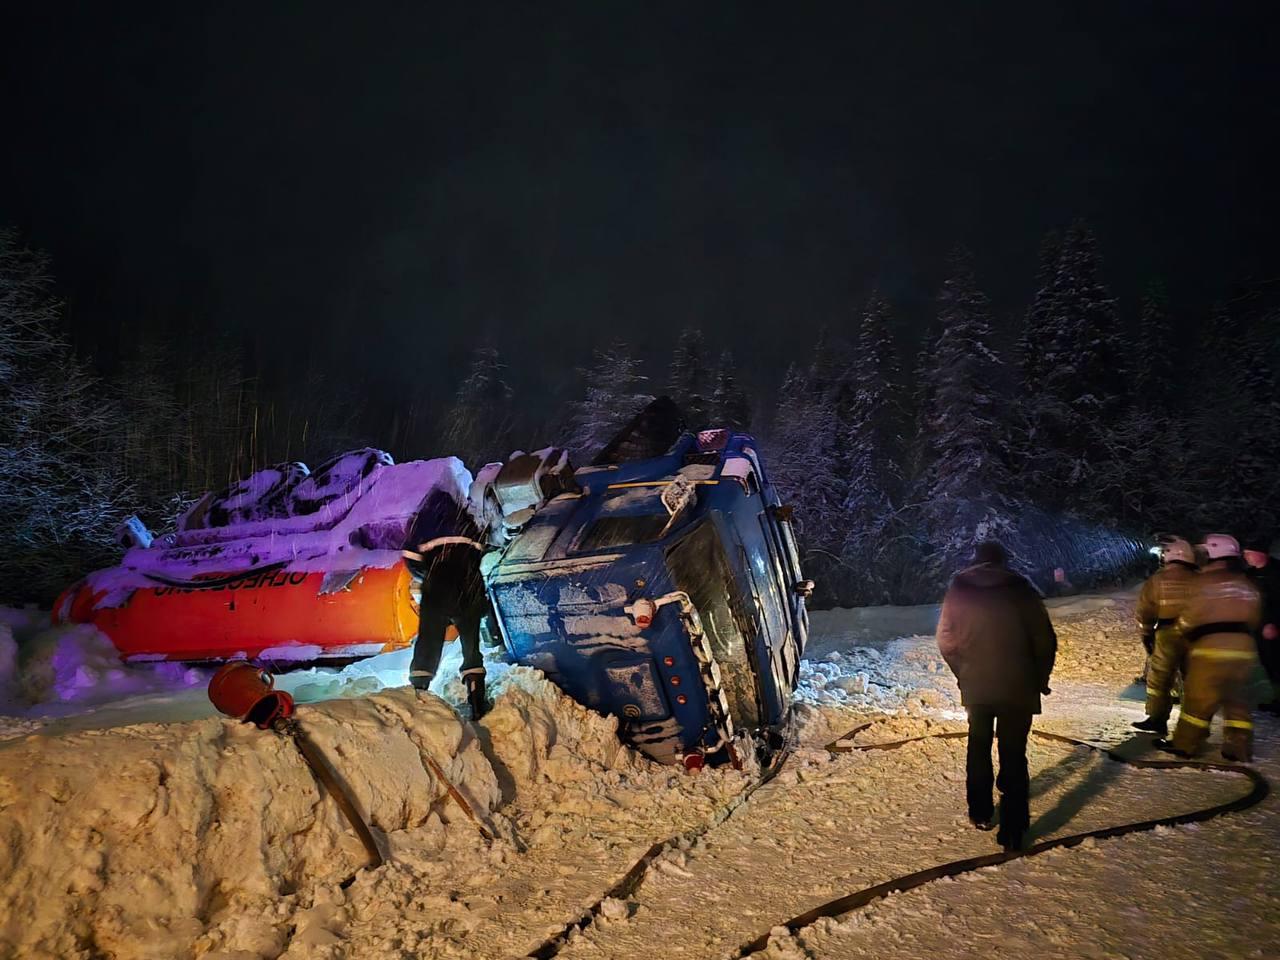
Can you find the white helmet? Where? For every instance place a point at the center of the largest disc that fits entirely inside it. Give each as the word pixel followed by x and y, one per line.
pixel 1218 546
pixel 1177 549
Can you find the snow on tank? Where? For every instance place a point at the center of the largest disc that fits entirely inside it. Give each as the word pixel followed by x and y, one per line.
pixel 287 564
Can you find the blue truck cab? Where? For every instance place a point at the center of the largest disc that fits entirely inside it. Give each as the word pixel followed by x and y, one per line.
pixel 666 592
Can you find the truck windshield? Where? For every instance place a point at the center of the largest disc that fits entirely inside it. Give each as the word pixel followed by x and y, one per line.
pixel 700 568
pixel 617 531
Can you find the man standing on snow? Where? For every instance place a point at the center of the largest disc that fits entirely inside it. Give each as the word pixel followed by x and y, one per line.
pixel 445 552
pixel 1222 613
pixel 1159 605
pixel 996 637
pixel 1264 569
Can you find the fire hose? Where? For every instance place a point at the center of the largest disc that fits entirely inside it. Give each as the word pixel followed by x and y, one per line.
pixel 326 775
pixel 632 879
pixel 241 690
pixel 1260 787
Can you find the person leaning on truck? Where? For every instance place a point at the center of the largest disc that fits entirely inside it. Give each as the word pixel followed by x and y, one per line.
pixel 445 551
pixel 996 637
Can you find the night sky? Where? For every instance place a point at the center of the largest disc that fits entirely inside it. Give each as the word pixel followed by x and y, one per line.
pixel 379 188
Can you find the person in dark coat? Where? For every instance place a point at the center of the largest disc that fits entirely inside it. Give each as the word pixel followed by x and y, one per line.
pixel 996 637
pixel 1264 570
pixel 444 549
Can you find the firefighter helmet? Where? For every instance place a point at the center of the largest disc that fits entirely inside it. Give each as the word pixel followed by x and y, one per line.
pixel 1179 550
pixel 1218 546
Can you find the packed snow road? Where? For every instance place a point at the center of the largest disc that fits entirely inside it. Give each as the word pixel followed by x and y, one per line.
pixel 573 810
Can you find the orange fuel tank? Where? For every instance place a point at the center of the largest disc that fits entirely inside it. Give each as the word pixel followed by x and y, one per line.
pixel 272 615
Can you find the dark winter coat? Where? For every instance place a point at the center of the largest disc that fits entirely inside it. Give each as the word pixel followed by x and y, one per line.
pixel 444 550
pixel 996 637
pixel 1267 580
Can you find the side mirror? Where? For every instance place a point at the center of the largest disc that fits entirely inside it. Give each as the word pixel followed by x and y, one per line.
pixel 804 588
pixel 784 514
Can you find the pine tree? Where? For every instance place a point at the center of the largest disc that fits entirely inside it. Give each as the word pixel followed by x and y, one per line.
pixel 615 393
pixel 873 460
pixel 810 459
pixel 689 382
pixel 730 406
pixel 1135 477
pixel 878 415
pixel 964 490
pixel 1154 351
pixel 799 458
pixel 1073 380
pixel 1039 340
pixel 788 437
pixel 1253 499
pixel 833 388
pixel 478 424
pixel 1227 456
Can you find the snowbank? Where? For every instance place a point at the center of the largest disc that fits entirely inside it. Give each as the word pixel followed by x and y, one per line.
pixel 70 677
pixel 211 837
pixel 149 840
pixel 77 664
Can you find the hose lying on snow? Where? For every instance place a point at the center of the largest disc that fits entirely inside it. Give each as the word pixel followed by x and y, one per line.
pixel 632 878
pixel 860 898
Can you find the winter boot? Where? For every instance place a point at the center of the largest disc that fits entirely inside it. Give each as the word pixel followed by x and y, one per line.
pixel 1168 747
pixel 1011 839
pixel 475 696
pixel 421 680
pixel 983 823
pixel 1150 725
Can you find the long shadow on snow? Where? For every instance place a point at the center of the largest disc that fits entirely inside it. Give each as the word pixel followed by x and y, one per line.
pixel 1075 799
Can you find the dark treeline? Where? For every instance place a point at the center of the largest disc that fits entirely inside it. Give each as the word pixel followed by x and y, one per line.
pixel 79 452
pixel 1069 432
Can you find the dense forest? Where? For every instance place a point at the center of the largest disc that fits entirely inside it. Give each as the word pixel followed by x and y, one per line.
pixel 1071 433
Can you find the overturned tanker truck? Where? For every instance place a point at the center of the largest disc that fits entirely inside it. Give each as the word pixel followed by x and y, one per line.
pixel 666 590
pixel 661 584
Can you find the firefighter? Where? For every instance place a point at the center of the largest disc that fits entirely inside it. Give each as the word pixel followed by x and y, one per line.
pixel 445 552
pixel 1159 605
pixel 1264 568
pixel 1222 612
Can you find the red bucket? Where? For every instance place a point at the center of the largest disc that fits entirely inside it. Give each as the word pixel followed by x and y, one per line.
pixel 241 690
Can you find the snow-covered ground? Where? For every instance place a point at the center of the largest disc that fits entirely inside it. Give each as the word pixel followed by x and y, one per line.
pixel 202 837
